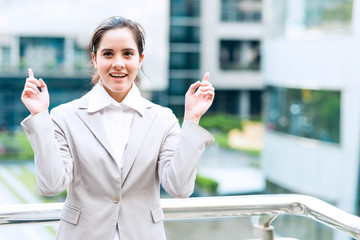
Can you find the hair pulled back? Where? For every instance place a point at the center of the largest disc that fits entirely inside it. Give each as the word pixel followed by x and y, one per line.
pixel 114 23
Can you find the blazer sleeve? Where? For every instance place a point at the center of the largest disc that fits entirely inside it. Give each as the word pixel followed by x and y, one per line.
pixel 53 160
pixel 179 155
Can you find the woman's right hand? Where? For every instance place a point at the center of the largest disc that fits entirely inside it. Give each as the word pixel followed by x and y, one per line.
pixel 35 100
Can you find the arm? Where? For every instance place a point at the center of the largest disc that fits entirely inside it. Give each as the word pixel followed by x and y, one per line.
pixel 185 147
pixel 53 160
pixel 179 156
pixel 47 140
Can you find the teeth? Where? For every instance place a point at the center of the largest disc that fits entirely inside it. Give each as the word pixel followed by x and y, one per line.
pixel 117 75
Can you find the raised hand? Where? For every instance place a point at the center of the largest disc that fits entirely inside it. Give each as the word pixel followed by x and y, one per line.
pixel 35 100
pixel 198 99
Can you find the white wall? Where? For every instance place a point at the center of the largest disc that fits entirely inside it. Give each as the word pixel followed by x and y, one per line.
pixel 212 31
pixel 307 166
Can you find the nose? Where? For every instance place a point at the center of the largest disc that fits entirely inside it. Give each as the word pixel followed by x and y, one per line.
pixel 118 63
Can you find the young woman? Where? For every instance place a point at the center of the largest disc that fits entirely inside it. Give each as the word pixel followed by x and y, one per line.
pixel 112 148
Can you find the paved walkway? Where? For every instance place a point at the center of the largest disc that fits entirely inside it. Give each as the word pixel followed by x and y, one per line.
pixel 232 170
pixel 18 186
pixel 7 197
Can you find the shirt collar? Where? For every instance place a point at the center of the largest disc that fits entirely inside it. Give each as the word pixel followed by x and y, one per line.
pixel 100 99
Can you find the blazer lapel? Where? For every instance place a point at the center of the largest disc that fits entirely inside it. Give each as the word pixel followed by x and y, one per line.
pixel 139 132
pixel 94 122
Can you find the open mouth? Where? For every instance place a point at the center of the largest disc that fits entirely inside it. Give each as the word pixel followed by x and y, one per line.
pixel 115 75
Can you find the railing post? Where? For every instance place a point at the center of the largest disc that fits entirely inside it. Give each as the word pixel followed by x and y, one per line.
pixel 264 231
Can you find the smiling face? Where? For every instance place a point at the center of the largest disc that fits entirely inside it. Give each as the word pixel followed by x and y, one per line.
pixel 117 61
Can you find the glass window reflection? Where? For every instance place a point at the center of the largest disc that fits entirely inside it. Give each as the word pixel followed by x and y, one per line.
pixel 239 55
pixel 241 10
pixel 301 16
pixel 305 113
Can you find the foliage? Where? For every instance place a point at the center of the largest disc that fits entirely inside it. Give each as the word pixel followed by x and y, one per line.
pixel 221 122
pixel 27 178
pixel 341 12
pixel 16 146
pixel 206 184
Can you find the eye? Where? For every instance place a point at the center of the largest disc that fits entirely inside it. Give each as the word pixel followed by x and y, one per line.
pixel 107 54
pixel 128 53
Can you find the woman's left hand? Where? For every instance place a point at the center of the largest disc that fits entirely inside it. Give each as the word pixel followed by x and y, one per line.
pixel 197 102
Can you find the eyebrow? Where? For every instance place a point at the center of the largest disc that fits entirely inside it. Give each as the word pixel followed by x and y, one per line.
pixel 107 50
pixel 111 50
pixel 128 49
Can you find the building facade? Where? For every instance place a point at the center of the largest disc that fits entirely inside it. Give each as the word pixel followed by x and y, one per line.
pixel 310 68
pixel 222 37
pixel 231 34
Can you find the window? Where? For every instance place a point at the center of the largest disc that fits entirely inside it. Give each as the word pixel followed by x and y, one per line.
pixel 184 34
pixel 301 16
pixel 239 55
pixel 43 53
pixel 184 60
pixel 327 13
pixel 5 58
pixel 81 58
pixel 185 8
pixel 179 86
pixel 305 113
pixel 226 101
pixel 241 10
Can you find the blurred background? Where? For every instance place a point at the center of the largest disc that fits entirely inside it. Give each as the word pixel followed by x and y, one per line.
pixel 285 117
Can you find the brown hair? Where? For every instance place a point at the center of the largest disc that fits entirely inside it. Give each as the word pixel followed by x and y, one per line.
pixel 113 23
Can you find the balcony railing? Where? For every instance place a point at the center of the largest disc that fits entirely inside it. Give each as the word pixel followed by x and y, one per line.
pixel 266 206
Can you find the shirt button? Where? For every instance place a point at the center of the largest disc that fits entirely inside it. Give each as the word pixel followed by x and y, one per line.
pixel 116 199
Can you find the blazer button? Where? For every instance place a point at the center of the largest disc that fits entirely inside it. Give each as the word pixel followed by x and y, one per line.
pixel 116 199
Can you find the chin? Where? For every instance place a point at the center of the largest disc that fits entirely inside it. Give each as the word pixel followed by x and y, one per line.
pixel 117 89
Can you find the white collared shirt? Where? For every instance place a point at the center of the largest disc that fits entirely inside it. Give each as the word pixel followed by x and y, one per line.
pixel 117 117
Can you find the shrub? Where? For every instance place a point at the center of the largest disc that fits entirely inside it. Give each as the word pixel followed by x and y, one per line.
pixel 221 122
pixel 205 184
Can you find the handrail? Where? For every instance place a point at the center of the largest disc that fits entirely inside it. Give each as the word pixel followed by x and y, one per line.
pixel 204 207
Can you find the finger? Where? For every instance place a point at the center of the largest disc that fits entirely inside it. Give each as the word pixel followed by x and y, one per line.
pixel 28 92
pixel 193 88
pixel 33 81
pixel 205 84
pixel 32 86
pixel 43 85
pixel 206 76
pixel 206 88
pixel 209 94
pixel 31 73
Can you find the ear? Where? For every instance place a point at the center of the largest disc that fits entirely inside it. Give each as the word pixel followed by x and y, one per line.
pixel 140 60
pixel 93 59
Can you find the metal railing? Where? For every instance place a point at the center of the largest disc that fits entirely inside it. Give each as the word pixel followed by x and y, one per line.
pixel 266 206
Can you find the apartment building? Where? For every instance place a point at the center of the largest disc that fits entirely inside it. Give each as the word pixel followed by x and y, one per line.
pixel 222 37
pixel 311 72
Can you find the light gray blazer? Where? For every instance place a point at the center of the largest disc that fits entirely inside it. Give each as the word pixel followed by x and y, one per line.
pixel 72 151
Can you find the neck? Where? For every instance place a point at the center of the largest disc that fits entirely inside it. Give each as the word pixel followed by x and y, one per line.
pixel 118 96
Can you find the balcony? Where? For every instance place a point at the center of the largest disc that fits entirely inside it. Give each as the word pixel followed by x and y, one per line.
pixel 266 207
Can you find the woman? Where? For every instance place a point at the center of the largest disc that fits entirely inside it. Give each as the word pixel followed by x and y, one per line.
pixel 112 148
